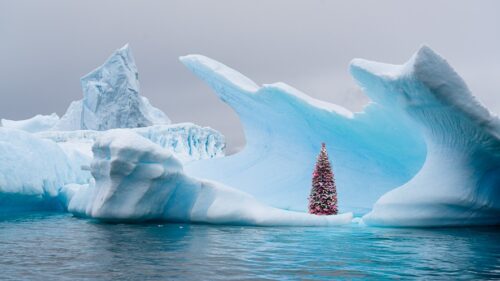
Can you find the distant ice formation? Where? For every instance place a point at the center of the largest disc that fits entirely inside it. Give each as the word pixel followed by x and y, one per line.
pixel 111 99
pixel 187 141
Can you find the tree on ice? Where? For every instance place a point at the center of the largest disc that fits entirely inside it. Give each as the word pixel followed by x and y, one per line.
pixel 323 198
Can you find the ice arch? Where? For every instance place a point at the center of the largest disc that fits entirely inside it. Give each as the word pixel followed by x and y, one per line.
pixel 424 132
pixel 372 152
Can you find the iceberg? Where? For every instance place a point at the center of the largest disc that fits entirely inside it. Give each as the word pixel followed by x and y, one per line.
pixel 138 180
pixel 38 172
pixel 34 124
pixel 424 152
pixel 111 99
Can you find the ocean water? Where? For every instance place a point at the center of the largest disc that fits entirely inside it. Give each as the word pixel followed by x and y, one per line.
pixel 55 246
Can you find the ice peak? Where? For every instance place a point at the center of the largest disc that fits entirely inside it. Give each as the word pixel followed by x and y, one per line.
pixel 111 98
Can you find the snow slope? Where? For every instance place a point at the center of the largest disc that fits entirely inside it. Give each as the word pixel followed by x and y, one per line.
pixel 111 98
pixel 137 180
pixel 371 152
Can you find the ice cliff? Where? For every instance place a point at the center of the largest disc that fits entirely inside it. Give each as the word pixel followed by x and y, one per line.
pixel 425 152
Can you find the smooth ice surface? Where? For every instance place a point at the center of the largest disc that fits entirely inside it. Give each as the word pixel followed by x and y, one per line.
pixel 34 124
pixel 423 131
pixel 371 152
pixel 459 183
pixel 137 180
pixel 111 98
pixel 32 172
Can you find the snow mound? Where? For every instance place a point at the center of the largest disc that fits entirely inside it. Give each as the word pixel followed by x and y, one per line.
pixel 111 99
pixel 459 183
pixel 34 124
pixel 371 152
pixel 137 180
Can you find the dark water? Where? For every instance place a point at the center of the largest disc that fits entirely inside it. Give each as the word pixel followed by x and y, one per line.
pixel 61 247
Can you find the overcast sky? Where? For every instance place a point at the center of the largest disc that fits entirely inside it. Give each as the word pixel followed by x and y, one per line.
pixel 46 46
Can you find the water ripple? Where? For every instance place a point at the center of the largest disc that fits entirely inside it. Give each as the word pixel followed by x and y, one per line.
pixel 61 247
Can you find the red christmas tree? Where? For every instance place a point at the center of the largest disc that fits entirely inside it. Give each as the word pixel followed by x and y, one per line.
pixel 323 198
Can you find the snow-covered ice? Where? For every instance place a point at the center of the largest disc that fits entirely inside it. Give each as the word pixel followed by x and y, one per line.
pixel 137 180
pixel 34 124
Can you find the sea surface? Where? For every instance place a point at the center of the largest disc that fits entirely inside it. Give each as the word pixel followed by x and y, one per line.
pixel 58 246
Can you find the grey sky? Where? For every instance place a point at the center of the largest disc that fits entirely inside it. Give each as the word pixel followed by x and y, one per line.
pixel 45 46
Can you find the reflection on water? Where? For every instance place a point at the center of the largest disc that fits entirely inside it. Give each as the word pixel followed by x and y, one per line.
pixel 59 246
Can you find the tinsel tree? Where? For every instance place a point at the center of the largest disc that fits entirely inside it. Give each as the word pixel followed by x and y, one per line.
pixel 323 198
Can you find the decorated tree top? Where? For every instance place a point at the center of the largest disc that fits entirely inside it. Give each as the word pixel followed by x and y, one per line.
pixel 323 197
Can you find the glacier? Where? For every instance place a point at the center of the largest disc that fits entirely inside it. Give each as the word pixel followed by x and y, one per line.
pixel 138 180
pixel 424 152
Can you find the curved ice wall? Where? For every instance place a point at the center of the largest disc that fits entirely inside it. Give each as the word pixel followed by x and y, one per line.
pixel 459 182
pixel 371 152
pixel 424 131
